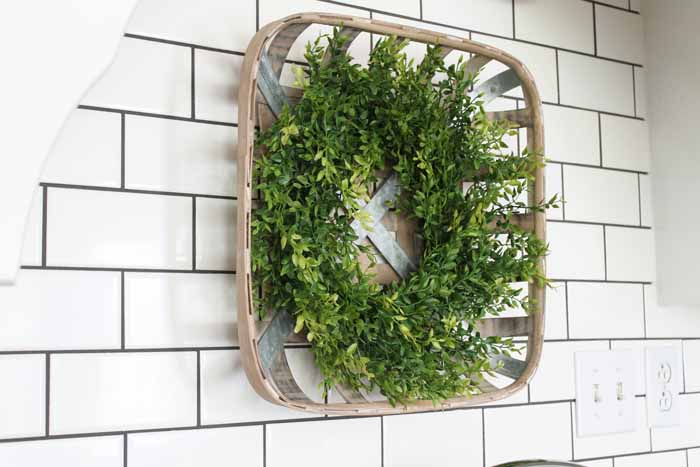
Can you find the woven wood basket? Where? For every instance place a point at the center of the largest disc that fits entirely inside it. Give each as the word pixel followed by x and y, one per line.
pixel 261 97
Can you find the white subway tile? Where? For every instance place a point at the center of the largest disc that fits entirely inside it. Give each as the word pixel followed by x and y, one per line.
pixel 489 16
pixel 630 254
pixel 554 379
pixel 669 321
pixel 571 135
pixel 212 23
pixel 685 435
pixel 179 310
pixel 102 451
pixel 447 439
pixel 22 396
pixel 216 85
pixel 87 151
pixel 227 396
pixel 98 228
pixel 665 459
pixel 598 463
pixel 509 433
pixel 601 310
pixel 617 443
pixel 341 443
pixel 33 231
pixel 593 83
pixel 691 365
pixel 541 61
pixel 218 447
pixel 619 34
pixel 563 23
pixel 97 392
pixel 555 318
pixel 172 155
pixel 599 195
pixel 399 7
pixel 625 143
pixel 145 76
pixel 646 212
pixel 640 86
pixel 638 347
pixel 694 458
pixel 271 10
pixel 576 251
pixel 216 234
pixel 42 310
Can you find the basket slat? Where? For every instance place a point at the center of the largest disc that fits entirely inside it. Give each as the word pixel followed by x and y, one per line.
pixel 271 342
pixel 496 86
pixel 269 86
pixel 505 327
pixel 508 366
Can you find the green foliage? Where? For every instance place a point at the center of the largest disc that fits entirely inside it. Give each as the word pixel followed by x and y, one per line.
pixel 414 339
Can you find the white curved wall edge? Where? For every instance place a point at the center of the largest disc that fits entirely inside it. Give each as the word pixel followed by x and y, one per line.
pixel 52 52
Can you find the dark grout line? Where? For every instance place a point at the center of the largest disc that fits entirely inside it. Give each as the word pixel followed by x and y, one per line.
pixel 590 166
pixel 613 7
pixel 47 396
pixel 498 36
pixel 576 107
pixel 381 423
pixel 123 312
pixel 563 198
pixel 605 253
pixel 556 62
pixel 156 115
pixel 44 221
pixel 639 196
pixel 264 444
pixel 115 269
pixel 133 190
pixel 512 6
pixel 125 453
pixel 199 388
pixel 634 92
pixel 420 5
pixel 600 139
pixel 192 84
pixel 140 350
pixel 194 233
pixel 604 224
pixel 566 309
pixel 123 150
pixel 483 437
pixel 595 33
pixel 644 309
pixel 571 424
pixel 597 281
pixel 184 44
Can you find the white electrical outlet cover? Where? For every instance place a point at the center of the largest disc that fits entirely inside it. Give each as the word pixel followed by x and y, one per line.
pixel 663 376
pixel 605 400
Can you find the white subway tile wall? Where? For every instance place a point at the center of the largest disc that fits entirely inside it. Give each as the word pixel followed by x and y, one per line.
pixel 118 346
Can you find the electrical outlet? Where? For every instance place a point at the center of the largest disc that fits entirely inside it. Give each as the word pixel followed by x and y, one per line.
pixel 605 382
pixel 664 377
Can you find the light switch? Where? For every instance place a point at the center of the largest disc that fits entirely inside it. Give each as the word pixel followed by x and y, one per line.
pixel 605 382
pixel 664 376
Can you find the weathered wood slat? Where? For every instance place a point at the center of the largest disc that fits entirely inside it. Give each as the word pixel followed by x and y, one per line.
pixel 496 86
pixel 350 395
pixel 271 342
pixel 269 86
pixel 476 63
pixel 281 44
pixel 516 118
pixel 350 34
pixel 505 327
pixel 507 366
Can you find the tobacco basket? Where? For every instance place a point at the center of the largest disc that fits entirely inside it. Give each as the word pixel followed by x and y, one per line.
pixel 261 97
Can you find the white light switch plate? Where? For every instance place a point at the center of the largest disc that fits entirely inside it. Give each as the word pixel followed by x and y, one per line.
pixel 664 377
pixel 605 382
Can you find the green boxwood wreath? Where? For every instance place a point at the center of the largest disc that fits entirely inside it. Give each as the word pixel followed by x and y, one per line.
pixel 413 339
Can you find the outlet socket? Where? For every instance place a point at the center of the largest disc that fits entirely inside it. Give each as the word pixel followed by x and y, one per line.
pixel 664 380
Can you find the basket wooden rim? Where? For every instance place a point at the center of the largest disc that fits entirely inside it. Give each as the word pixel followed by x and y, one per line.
pixel 249 332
